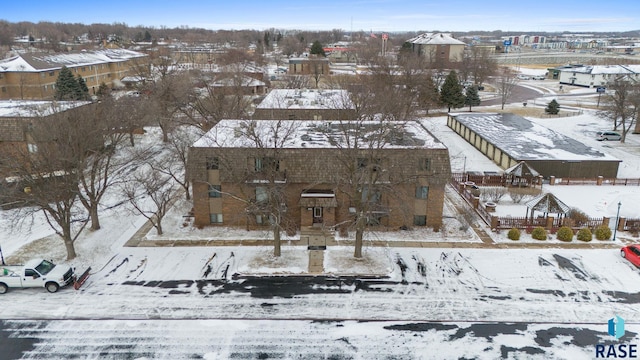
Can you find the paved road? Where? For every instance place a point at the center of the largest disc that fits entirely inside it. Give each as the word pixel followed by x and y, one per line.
pixel 518 95
pixel 297 339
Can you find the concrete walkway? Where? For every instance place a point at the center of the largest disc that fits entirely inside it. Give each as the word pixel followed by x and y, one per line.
pixel 139 240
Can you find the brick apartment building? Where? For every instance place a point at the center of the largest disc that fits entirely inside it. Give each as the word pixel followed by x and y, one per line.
pixel 18 118
pixel 33 75
pixel 233 173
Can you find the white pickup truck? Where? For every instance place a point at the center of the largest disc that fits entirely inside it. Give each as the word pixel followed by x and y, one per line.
pixel 35 273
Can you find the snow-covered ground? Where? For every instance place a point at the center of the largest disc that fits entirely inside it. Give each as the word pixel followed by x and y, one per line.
pixel 431 302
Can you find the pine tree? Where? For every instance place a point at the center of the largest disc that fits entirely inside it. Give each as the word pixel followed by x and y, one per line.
pixel 451 92
pixel 472 97
pixel 553 108
pixel 67 87
pixel 83 90
pixel 316 49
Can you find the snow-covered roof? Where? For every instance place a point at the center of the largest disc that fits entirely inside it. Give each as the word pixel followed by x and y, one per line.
pixel 30 108
pixel 314 134
pixel 238 80
pixel 606 69
pixel 435 39
pixel 307 99
pixel 34 62
pixel 525 140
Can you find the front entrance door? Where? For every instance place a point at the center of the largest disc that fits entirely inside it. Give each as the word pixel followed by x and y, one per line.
pixel 317 215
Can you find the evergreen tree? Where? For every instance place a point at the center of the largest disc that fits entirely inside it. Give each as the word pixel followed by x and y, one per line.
pixel 552 108
pixel 103 90
pixel 147 36
pixel 472 97
pixel 83 90
pixel 67 87
pixel 316 49
pixel 451 92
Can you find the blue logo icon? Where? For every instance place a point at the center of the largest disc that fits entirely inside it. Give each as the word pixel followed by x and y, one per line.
pixel 616 327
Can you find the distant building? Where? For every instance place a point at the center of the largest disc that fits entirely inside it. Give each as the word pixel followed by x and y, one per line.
pixel 508 139
pixel 309 66
pixel 230 181
pixel 33 75
pixel 438 48
pixel 597 75
pixel 306 104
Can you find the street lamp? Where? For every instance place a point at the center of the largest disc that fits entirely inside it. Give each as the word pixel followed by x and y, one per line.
pixel 615 229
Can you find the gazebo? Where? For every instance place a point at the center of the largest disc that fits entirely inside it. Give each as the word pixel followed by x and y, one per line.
pixel 547 204
pixel 520 174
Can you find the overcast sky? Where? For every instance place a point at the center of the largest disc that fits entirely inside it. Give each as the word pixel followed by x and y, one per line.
pixel 367 15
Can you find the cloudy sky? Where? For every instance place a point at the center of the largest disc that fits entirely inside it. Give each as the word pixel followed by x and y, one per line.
pixel 367 15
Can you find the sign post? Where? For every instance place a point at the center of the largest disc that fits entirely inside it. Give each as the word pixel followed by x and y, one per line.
pixel 600 90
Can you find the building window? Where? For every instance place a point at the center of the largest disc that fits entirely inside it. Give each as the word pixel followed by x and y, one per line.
pixel 422 192
pixel 292 117
pixel 262 220
pixel 371 197
pixel 215 191
pixel 4 89
pixel 52 73
pixel 213 163
pixel 262 194
pixel 420 220
pixel 215 218
pixel 365 163
pixel 424 164
pixel 266 163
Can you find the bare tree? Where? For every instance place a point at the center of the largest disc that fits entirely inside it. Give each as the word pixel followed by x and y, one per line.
pixel 220 97
pixel 151 193
pixel 167 96
pixel 46 173
pixel 622 104
pixel 505 82
pixel 175 163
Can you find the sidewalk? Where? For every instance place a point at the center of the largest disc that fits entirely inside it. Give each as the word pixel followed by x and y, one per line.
pixel 139 240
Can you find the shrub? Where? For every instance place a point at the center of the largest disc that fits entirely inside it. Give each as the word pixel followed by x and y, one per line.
pixel 578 218
pixel 514 234
pixel 539 233
pixel 518 194
pixel 492 193
pixel 584 234
pixel 564 234
pixel 603 232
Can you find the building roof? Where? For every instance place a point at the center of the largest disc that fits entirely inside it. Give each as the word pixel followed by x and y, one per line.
pixel 36 62
pixel 238 80
pixel 605 69
pixel 314 134
pixel 524 140
pixel 30 108
pixel 435 39
pixel 307 99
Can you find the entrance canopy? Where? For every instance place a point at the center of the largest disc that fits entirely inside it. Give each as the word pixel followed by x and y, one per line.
pixel 318 198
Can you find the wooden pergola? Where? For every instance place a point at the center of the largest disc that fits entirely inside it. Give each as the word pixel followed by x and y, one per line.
pixel 547 204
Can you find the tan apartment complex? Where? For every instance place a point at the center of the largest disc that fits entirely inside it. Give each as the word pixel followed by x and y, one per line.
pixel 33 75
pixel 240 165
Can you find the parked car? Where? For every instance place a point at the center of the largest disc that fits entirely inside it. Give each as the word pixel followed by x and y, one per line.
pixel 523 77
pixel 608 135
pixel 631 253
pixel 539 77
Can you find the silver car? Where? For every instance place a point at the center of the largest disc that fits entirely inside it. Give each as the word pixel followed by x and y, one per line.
pixel 608 135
